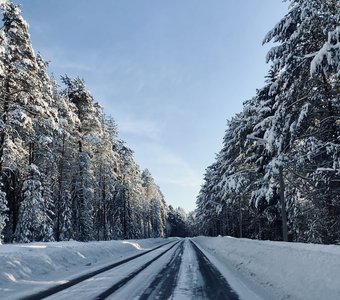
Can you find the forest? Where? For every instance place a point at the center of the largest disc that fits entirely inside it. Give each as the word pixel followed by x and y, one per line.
pixel 281 154
pixel 64 172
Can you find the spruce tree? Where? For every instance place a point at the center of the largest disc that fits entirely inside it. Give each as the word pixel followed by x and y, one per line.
pixel 34 223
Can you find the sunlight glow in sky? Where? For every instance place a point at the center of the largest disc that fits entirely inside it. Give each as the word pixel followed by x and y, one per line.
pixel 170 72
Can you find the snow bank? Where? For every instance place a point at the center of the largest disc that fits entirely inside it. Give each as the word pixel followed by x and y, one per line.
pixel 25 268
pixel 277 270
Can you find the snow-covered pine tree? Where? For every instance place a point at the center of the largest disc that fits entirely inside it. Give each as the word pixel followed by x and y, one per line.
pixel 106 168
pixel 10 153
pixel 304 133
pixel 88 136
pixel 157 222
pixel 64 152
pixel 65 219
pixel 149 192
pixel 118 213
pixel 134 205
pixel 228 181
pixel 265 220
pixel 111 187
pixel 45 124
pixel 129 192
pixel 57 150
pixel 34 222
pixel 208 204
pixel 241 167
pixel 176 222
pixel 294 124
pixel 25 110
pixel 154 209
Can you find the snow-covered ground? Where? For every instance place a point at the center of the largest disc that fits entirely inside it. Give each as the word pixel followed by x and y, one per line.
pixel 26 268
pixel 276 270
pixel 254 269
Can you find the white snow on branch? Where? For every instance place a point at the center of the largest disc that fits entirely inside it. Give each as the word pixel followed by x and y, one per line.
pixel 329 54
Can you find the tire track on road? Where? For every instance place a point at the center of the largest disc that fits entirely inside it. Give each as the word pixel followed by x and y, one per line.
pixel 61 287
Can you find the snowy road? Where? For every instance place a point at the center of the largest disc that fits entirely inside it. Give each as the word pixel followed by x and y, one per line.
pixel 177 270
pixel 170 268
pixel 199 279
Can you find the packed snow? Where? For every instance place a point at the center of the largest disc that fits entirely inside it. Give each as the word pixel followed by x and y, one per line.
pixel 189 278
pixel 276 270
pixel 254 269
pixel 28 268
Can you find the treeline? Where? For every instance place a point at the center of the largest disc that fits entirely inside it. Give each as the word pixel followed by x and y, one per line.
pixel 64 173
pixel 291 127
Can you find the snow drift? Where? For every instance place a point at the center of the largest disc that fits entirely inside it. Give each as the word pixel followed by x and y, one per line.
pixel 277 270
pixel 26 268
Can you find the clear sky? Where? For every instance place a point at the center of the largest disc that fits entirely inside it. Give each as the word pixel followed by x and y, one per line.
pixel 170 72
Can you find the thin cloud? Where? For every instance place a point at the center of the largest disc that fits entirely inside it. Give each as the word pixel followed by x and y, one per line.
pixel 177 178
pixel 140 128
pixel 179 172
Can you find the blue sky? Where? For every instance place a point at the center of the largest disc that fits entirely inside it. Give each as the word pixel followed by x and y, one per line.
pixel 170 72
